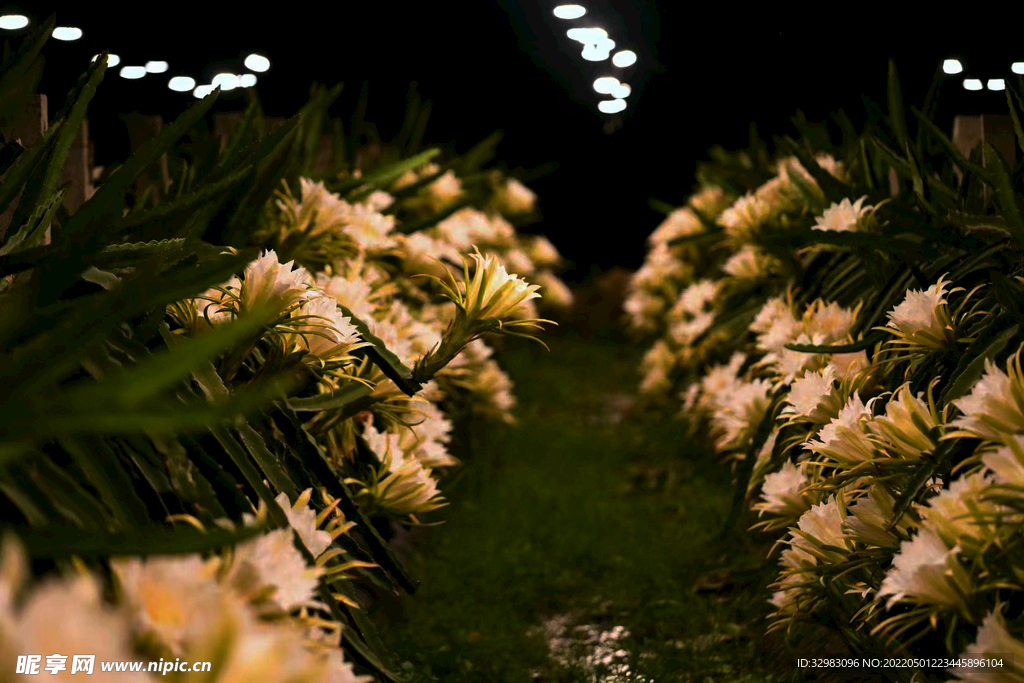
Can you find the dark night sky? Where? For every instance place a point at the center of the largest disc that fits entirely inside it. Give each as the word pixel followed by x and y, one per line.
pixel 702 76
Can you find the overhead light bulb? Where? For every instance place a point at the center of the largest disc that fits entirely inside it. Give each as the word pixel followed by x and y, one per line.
pixel 202 91
pixel 156 67
pixel 587 35
pixel 257 63
pixel 246 80
pixel 12 22
pixel 112 60
pixel 226 81
pixel 606 84
pixel 621 91
pixel 182 83
pixel 1017 67
pixel 133 72
pixel 611 106
pixel 972 84
pixel 67 33
pixel 592 53
pixel 570 11
pixel 952 66
pixel 996 84
pixel 624 58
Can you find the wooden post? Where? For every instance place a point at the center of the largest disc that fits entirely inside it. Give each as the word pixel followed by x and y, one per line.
pixel 894 182
pixel 94 171
pixel 971 131
pixel 325 154
pixel 29 128
pixel 140 129
pixel 76 171
pixel 224 126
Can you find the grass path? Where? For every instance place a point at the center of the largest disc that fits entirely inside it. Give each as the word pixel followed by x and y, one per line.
pixel 571 519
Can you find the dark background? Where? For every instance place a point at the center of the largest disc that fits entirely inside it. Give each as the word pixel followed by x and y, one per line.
pixel 704 73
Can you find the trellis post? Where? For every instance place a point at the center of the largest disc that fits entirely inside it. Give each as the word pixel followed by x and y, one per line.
pixel 142 128
pixel 28 129
pixel 224 125
pixel 78 170
pixel 971 131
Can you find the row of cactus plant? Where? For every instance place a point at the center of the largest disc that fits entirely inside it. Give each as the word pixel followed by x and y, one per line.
pixel 220 389
pixel 853 347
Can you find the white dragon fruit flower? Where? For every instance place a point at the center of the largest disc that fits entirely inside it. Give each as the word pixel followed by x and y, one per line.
pixel 782 493
pixel 718 382
pixel 926 571
pixel 1007 463
pixel 656 366
pixel 679 223
pixel 710 201
pixel 844 216
pixel 302 518
pixel 993 640
pixel 354 293
pixel 553 290
pixel 830 320
pixel 909 425
pixel 271 565
pixel 749 263
pixel 325 333
pixel 844 441
pixel 269 282
pixel 812 397
pixel 696 297
pixel 516 198
pixel 869 517
pixel 922 319
pixel 744 219
pixel 823 524
pixel 741 415
pixel 542 251
pixel 960 514
pixel 994 410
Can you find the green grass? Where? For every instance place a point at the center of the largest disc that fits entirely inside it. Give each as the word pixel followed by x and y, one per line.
pixel 568 514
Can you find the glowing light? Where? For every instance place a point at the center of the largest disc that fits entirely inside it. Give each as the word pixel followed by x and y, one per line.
pixel 570 11
pixel 952 66
pixel 112 60
pixel 624 58
pixel 1017 67
pixel 258 63
pixel 621 91
pixel 13 22
pixel 996 84
pixel 972 84
pixel 202 91
pixel 226 81
pixel 611 106
pixel 182 83
pixel 606 84
pixel 246 80
pixel 605 44
pixel 156 67
pixel 593 53
pixel 587 35
pixel 133 72
pixel 67 33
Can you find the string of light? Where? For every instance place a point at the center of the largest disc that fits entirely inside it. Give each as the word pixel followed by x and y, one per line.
pixel 256 63
pixel 597 47
pixel 953 66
